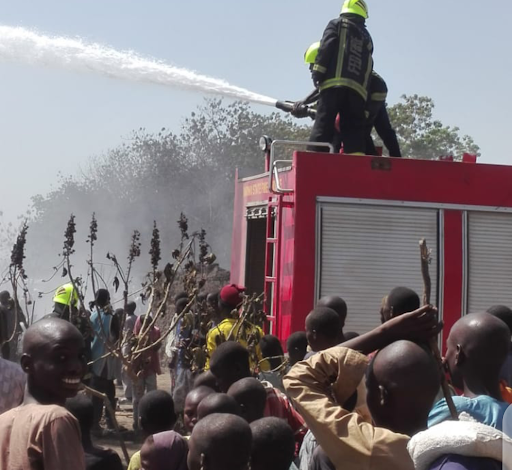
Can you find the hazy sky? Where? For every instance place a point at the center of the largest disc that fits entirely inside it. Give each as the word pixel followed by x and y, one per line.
pixel 52 121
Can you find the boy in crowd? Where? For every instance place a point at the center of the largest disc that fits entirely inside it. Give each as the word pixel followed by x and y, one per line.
pixel 156 415
pixel 297 345
pixel 399 301
pixel 505 314
pixel 230 363
pixel 128 327
pixel 272 351
pixel 106 330
pixel 192 401
pixel 96 458
pixel 477 347
pixel 41 433
pixel 339 306
pixel 273 445
pixel 230 300
pixel 147 367
pixel 164 451
pixel 220 442
pixel 217 403
pixel 323 329
pixel 251 396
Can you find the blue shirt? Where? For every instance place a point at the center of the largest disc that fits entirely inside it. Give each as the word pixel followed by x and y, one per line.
pixel 484 409
pixel 98 346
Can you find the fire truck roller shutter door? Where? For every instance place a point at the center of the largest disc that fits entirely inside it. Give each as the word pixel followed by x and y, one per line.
pixel 368 250
pixel 489 252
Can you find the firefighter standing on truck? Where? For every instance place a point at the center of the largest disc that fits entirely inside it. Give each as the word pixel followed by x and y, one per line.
pixel 342 72
pixel 378 118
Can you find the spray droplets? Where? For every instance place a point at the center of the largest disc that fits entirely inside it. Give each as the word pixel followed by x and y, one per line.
pixel 23 45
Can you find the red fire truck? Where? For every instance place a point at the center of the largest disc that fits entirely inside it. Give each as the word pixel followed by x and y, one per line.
pixel 330 224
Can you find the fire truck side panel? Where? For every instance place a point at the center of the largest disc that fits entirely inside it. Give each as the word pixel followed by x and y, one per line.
pixel 350 218
pixel 452 188
pixel 367 250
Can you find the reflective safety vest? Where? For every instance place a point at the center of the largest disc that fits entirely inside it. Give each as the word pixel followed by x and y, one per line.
pixel 345 56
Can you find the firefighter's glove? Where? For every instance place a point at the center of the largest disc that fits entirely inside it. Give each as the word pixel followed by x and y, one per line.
pixel 299 110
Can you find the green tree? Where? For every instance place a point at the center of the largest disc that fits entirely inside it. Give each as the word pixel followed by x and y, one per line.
pixel 422 136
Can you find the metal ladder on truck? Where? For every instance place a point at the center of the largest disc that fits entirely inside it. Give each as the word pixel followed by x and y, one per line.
pixel 273 244
pixel 273 261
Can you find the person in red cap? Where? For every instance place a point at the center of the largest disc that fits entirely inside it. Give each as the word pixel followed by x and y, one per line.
pixel 228 328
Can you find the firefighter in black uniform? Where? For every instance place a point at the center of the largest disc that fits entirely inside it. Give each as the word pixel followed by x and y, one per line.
pixel 342 72
pixel 377 117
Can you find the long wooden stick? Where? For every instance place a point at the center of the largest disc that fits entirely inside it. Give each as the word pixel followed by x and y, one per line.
pixel 111 412
pixel 427 288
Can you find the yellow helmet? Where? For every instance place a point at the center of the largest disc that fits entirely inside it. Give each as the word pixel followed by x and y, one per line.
pixel 356 7
pixel 66 295
pixel 311 53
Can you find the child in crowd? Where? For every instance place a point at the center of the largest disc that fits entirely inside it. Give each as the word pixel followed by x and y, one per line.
pixel 156 415
pixel 273 445
pixel 217 403
pixel 297 345
pixel 192 401
pixel 147 367
pixel 230 363
pixel 220 442
pixel 164 451
pixel 251 396
pixel 272 350
pixel 96 458
pixel 323 329
pixel 41 433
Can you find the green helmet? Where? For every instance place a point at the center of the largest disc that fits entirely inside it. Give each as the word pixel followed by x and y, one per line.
pixel 356 7
pixel 66 295
pixel 311 53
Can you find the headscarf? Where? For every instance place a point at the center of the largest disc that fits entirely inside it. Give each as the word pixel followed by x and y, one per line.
pixel 169 451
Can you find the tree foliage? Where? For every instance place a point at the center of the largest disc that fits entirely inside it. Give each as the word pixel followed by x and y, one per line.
pixel 422 136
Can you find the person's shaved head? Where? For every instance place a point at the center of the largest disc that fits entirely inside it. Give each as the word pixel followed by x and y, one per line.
pixel 337 304
pixel 229 363
pixel 217 403
pixel 156 412
pixel 297 345
pixel 477 347
pixel 399 301
pixel 273 444
pixel 220 442
pixel 402 382
pixel 206 379
pixel 54 359
pixel 194 397
pixel 251 396
pixel 502 312
pixel 323 328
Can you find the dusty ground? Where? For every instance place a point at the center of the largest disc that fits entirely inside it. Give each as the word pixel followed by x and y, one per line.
pixel 125 418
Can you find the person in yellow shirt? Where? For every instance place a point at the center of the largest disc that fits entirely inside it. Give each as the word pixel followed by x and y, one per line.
pixel 232 328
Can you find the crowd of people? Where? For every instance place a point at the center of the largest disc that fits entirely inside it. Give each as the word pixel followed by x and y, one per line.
pixel 335 400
